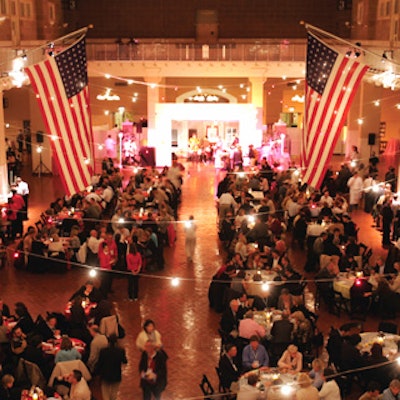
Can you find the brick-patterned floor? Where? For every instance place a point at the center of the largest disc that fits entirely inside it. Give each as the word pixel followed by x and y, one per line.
pixel 182 314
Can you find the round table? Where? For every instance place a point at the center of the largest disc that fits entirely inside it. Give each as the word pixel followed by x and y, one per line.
pixel 389 341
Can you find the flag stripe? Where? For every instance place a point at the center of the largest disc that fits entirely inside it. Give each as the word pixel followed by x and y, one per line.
pixel 332 81
pixel 68 142
pixel 51 119
pixel 60 83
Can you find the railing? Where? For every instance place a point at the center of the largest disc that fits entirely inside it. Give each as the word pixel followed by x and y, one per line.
pixel 169 51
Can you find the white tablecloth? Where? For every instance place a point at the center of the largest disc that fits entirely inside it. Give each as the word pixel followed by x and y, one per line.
pixel 389 342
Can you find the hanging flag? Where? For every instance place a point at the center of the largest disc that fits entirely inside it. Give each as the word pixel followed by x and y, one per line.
pixel 61 86
pixel 332 80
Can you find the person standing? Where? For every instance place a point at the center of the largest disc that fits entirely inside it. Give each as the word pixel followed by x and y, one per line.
pixel 190 238
pixel 387 219
pixel 23 190
pixel 153 371
pixel 134 265
pixel 14 213
pixel 106 260
pixel 109 145
pixel 355 185
pixel 109 368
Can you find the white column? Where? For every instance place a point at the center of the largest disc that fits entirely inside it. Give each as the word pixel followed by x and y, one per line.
pixel 3 160
pixel 153 97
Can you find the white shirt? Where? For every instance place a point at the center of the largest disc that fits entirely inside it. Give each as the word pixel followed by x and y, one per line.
pixel 22 188
pixel 330 391
pixel 227 199
pixel 80 391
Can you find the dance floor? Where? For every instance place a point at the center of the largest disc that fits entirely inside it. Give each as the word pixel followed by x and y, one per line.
pixel 182 315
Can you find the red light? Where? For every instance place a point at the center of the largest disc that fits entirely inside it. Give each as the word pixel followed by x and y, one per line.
pixel 16 254
pixel 358 282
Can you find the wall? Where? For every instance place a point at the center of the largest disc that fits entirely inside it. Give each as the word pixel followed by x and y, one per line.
pixel 237 18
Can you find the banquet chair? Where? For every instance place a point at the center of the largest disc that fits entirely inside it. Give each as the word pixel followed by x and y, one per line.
pixel 29 374
pixel 388 327
pixel 206 388
pixel 340 303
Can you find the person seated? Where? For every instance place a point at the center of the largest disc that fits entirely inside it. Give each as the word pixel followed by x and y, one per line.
pixel 317 368
pixel 285 300
pixel 372 393
pixel 347 263
pixel 330 389
pixel 249 390
pixel 47 328
pixel 230 318
pixel 291 360
pixel 24 319
pixel 303 331
pixel 383 371
pixel 4 309
pixel 360 296
pixel 79 389
pixel 281 332
pixel 392 391
pixel 149 332
pixel 7 389
pixel 18 341
pixel 67 351
pixel 88 292
pixel 254 355
pixel 307 391
pixel 228 369
pixel 350 357
pixel 249 328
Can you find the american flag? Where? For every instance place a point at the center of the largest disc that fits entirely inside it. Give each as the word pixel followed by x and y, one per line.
pixel 61 86
pixel 332 80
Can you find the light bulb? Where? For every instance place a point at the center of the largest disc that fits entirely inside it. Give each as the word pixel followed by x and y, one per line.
pixel 175 282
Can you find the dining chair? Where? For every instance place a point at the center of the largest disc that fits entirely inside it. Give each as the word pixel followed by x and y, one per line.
pixel 388 327
pixel 206 388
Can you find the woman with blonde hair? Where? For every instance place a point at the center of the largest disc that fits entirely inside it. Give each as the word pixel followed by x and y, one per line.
pixel 306 391
pixel 291 360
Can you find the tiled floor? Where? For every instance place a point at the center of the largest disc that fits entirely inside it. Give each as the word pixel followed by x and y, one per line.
pixel 182 314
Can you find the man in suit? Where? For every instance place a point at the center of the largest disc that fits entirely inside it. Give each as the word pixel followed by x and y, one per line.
pixel 228 370
pixel 382 268
pixel 230 318
pixel 281 332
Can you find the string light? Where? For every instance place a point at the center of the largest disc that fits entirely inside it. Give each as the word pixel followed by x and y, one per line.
pixel 265 287
pixel 175 282
pixel 92 273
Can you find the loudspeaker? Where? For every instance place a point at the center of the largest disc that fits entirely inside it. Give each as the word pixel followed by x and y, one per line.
pixel 147 156
pixel 39 137
pixel 371 139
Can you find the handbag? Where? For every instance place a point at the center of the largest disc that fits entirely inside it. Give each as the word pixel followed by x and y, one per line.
pixel 121 330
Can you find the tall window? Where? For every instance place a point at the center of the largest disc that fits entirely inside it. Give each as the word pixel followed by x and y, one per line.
pixel 360 13
pixel 3 7
pixel 52 13
pixel 25 9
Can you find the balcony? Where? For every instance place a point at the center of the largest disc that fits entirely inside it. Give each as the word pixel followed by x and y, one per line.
pixel 168 50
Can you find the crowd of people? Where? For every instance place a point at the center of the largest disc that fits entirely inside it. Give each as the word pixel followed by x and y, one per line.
pixel 263 215
pixel 62 351
pixel 113 226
